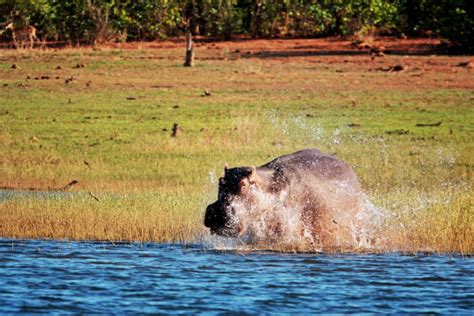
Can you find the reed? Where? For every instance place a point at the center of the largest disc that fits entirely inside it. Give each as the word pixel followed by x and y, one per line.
pixel 126 218
pixel 436 221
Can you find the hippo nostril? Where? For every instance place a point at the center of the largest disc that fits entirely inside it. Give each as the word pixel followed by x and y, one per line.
pixel 217 217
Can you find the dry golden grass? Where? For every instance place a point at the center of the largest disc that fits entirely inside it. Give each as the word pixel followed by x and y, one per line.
pixel 441 221
pixel 112 218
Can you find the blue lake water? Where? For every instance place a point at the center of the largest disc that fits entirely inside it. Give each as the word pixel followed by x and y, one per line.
pixel 89 277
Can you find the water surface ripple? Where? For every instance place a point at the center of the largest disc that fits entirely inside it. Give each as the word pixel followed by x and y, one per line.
pixel 86 277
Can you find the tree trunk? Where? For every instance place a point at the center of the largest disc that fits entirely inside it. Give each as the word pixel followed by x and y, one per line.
pixel 189 61
pixel 256 20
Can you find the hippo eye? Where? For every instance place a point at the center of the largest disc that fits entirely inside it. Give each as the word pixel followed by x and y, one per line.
pixel 221 181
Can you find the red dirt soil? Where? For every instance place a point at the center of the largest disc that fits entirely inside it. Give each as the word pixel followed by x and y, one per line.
pixel 321 46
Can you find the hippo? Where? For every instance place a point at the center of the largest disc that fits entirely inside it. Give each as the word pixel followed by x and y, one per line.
pixel 320 191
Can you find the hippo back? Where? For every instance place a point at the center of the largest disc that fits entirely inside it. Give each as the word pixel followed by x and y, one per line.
pixel 311 164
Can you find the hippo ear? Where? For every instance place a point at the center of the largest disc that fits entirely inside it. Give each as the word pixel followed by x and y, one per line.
pixel 244 186
pixel 226 167
pixel 253 176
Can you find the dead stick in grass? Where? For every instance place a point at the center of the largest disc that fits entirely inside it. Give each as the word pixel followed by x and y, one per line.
pixel 69 185
pixel 428 124
pixel 94 197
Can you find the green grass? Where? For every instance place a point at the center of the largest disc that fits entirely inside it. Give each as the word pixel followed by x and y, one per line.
pixel 113 113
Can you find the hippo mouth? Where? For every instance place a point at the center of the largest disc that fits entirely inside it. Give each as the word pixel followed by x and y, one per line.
pixel 219 218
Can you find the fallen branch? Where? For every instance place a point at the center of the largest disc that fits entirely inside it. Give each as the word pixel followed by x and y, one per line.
pixel 398 132
pixel 428 124
pixel 395 68
pixel 69 185
pixel 94 197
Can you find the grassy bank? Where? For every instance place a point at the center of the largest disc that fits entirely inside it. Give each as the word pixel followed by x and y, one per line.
pixel 109 128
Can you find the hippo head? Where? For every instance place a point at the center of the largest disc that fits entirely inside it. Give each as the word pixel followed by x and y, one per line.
pixel 220 215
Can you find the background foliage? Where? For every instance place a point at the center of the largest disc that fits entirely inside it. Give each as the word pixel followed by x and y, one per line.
pixel 91 21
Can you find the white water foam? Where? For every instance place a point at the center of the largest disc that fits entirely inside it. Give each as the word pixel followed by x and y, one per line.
pixel 274 221
pixel 271 222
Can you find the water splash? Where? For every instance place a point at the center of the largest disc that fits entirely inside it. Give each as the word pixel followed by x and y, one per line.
pixel 212 178
pixel 270 222
pixel 279 222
